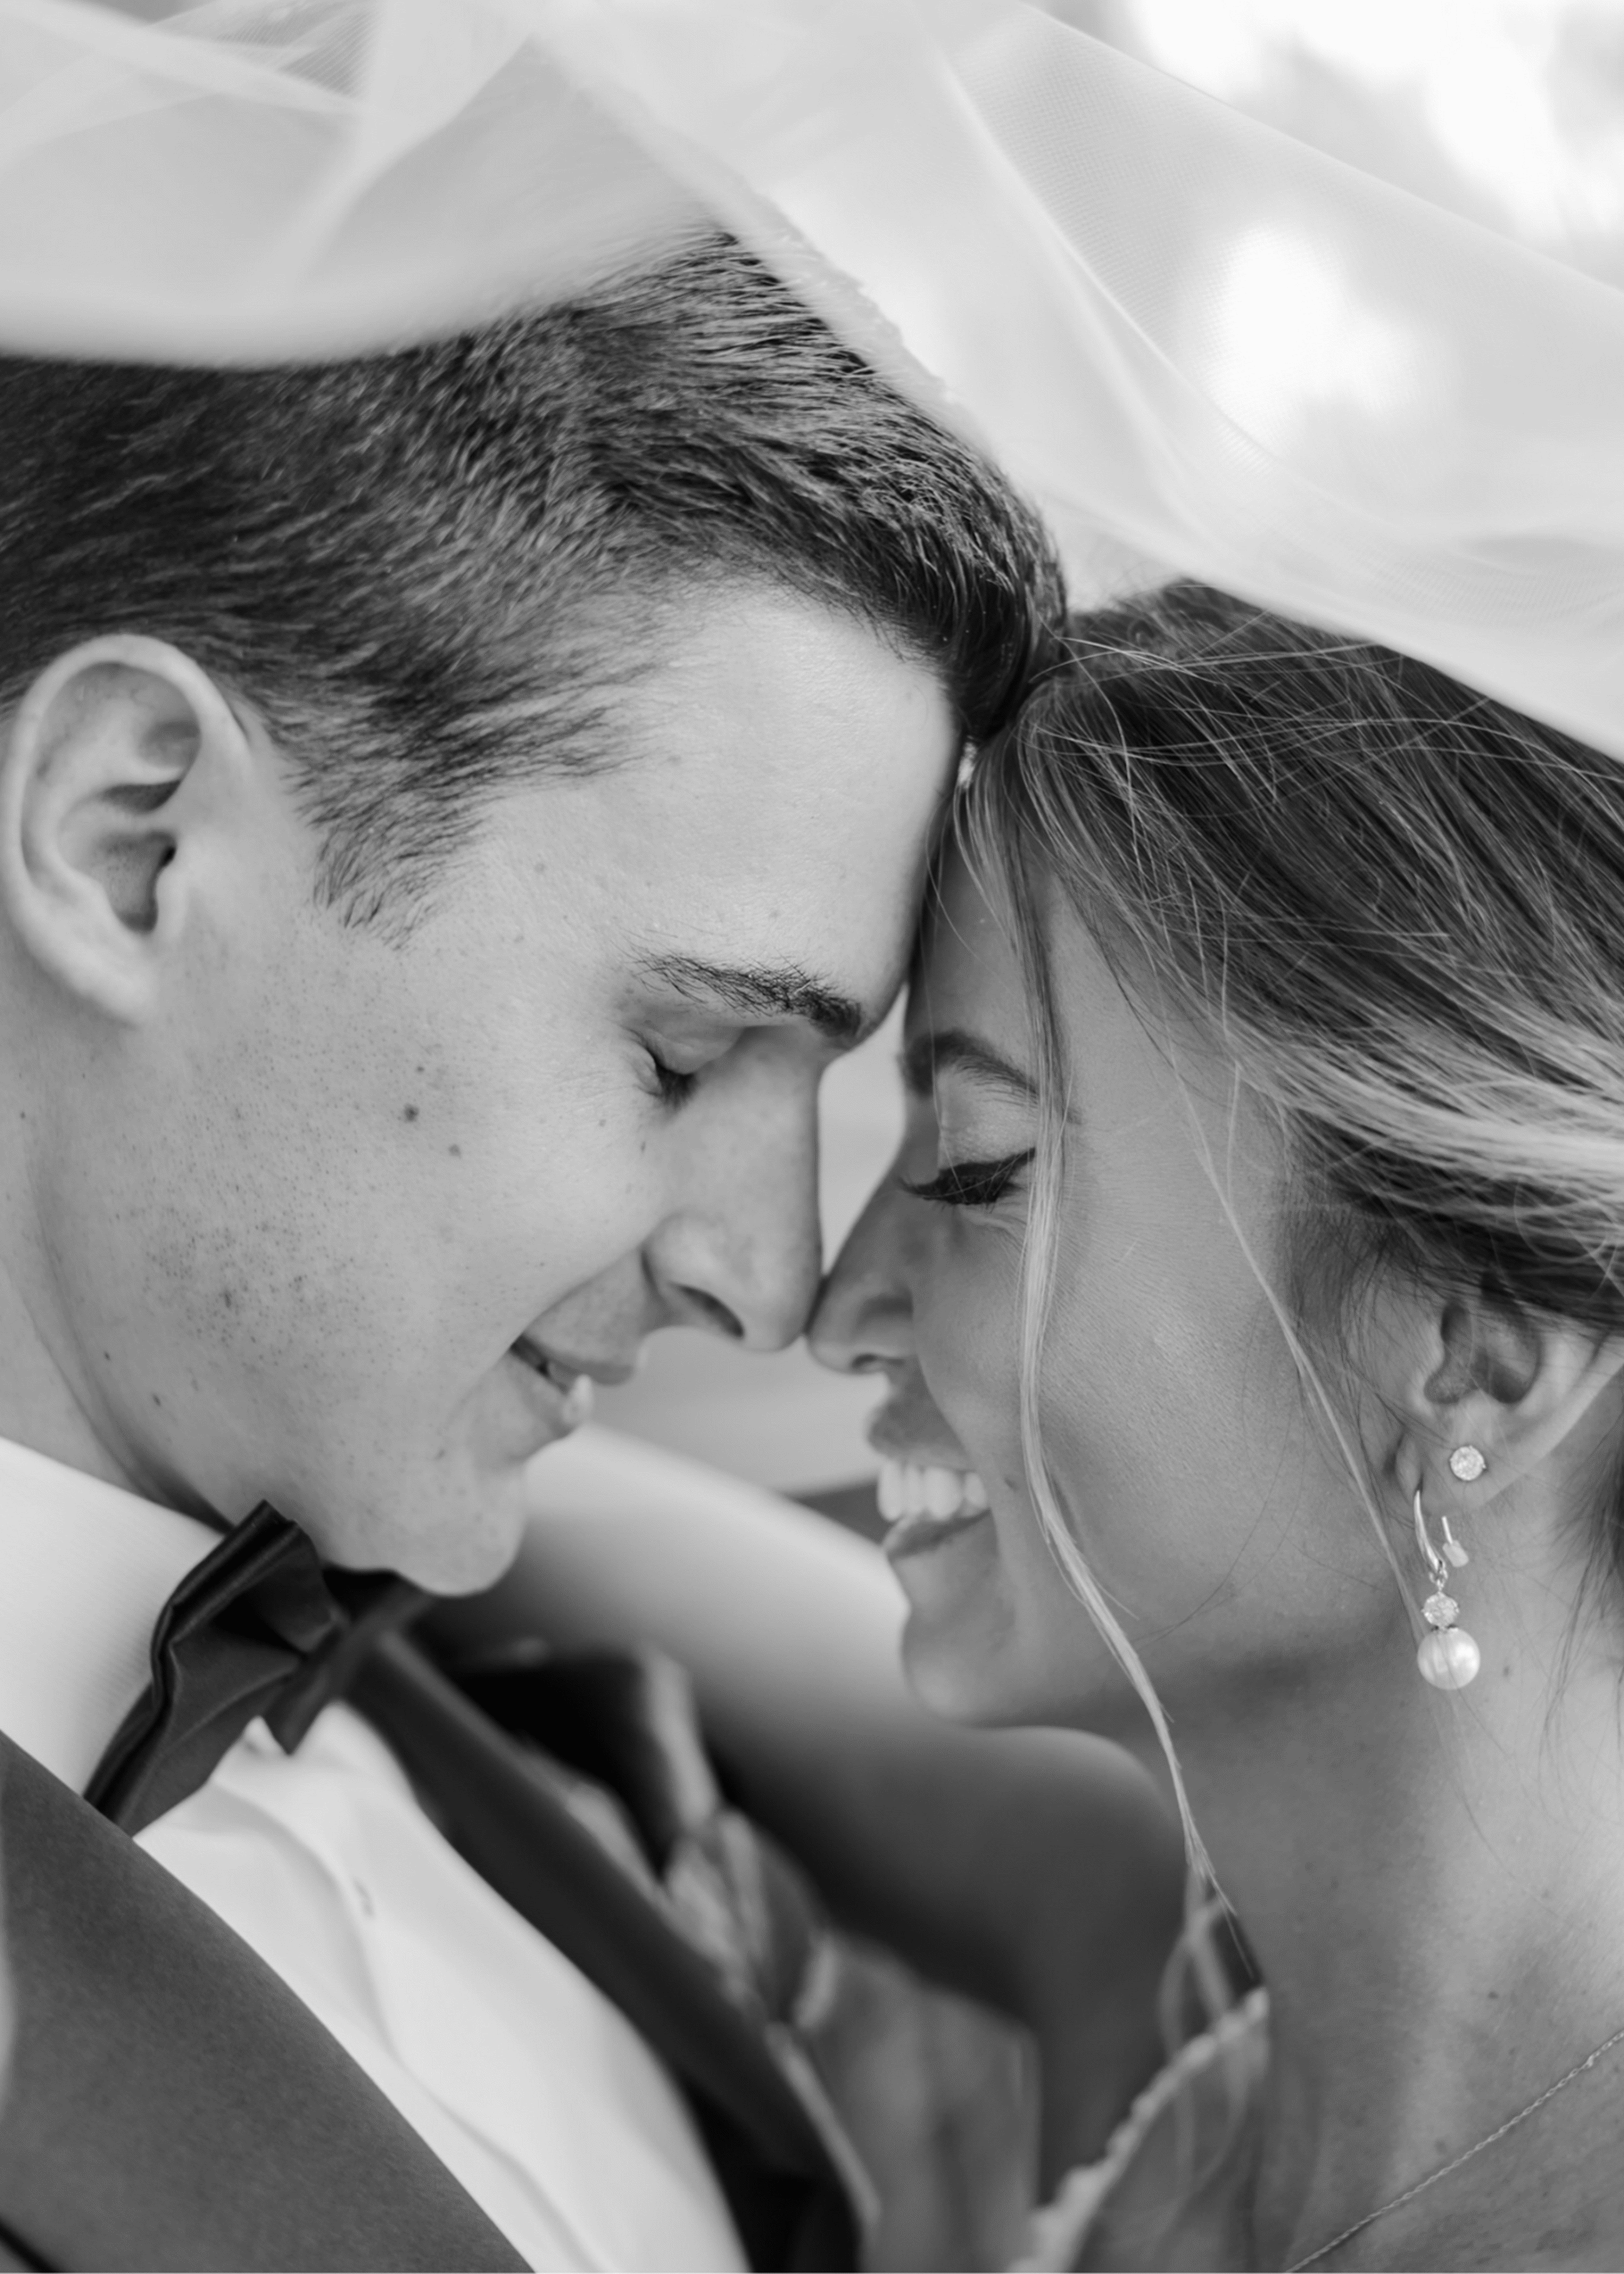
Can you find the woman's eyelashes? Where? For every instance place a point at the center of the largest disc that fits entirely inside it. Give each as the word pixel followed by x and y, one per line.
pixel 970 1184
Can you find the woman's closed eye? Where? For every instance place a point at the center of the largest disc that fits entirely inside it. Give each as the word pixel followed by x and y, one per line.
pixel 970 1184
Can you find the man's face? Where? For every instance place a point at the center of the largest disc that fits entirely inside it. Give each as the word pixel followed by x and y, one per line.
pixel 336 1226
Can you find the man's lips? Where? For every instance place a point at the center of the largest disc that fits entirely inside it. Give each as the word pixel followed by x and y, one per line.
pixel 564 1384
pixel 565 1370
pixel 926 1505
pixel 558 1402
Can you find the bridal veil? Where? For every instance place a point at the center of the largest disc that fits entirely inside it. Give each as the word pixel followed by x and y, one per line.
pixel 1201 343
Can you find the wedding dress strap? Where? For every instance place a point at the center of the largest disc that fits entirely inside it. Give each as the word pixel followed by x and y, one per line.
pixel 1061 2228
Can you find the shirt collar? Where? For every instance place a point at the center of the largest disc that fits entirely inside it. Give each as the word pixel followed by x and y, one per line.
pixel 85 1570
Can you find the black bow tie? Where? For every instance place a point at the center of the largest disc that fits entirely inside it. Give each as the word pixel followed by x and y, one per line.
pixel 258 1627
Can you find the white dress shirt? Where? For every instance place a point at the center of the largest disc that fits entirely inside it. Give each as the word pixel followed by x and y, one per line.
pixel 518 2073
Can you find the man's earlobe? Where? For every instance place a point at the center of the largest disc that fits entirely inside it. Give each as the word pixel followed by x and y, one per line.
pixel 111 757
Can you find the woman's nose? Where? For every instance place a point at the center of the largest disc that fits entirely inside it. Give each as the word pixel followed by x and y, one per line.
pixel 864 1317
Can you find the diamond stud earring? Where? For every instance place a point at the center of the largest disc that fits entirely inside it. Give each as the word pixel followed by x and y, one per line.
pixel 1467 1464
pixel 1448 1658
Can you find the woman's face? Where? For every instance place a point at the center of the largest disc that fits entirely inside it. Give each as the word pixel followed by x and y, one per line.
pixel 1205 1499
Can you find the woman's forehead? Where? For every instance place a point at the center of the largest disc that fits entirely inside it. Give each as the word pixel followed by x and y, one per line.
pixel 968 982
pixel 965 974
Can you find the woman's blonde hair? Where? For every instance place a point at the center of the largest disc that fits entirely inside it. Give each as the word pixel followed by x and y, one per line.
pixel 1394 905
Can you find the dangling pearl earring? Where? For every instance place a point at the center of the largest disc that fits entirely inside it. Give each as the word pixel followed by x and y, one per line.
pixel 1448 1658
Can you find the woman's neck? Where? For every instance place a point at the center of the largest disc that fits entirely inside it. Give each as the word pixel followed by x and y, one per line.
pixel 1434 1887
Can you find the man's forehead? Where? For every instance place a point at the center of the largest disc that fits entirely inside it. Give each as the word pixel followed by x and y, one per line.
pixel 787 739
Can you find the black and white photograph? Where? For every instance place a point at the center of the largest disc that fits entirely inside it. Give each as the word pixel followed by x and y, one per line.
pixel 811 1135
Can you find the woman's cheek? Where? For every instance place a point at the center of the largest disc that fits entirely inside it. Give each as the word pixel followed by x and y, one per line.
pixel 968 1313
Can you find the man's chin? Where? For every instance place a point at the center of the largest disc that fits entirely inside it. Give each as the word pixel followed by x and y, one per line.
pixel 466 1553
pixel 460 1537
pixel 457 1545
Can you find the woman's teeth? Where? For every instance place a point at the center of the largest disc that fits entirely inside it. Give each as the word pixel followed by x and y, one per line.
pixel 908 1489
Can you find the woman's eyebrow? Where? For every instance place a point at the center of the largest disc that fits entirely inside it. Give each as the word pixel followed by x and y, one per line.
pixel 931 1055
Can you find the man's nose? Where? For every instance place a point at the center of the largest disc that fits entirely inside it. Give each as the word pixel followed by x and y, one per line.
pixel 863 1321
pixel 742 1257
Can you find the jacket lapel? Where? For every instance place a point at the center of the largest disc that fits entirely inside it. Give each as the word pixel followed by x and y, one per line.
pixel 169 2102
pixel 780 2156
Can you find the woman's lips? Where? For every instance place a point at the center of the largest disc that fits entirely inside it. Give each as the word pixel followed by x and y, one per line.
pixel 925 1505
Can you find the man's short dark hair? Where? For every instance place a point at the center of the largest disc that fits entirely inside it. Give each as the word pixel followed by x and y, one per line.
pixel 387 557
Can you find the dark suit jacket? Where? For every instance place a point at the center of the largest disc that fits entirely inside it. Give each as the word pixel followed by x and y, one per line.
pixel 169 2102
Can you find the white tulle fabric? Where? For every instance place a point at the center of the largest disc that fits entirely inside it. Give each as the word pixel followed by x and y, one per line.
pixel 1202 344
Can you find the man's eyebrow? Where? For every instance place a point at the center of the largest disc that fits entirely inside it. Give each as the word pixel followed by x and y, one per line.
pixel 929 1055
pixel 779 990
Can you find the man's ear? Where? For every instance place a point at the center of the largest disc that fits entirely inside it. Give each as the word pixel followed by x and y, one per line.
pixel 1519 1387
pixel 115 754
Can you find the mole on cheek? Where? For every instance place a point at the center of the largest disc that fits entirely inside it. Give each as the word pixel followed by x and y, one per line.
pixel 408 1112
pixel 456 1152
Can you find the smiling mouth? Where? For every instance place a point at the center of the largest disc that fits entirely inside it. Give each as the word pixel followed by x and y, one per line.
pixel 575 1389
pixel 924 1506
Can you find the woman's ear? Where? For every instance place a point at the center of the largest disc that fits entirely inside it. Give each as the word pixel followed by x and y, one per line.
pixel 113 757
pixel 1521 1388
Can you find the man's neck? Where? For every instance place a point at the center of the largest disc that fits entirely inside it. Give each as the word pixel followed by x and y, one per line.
pixel 40 1408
